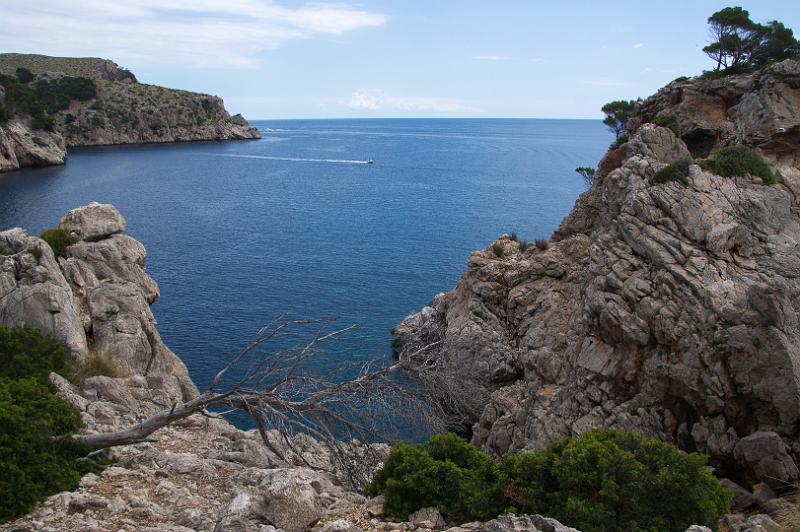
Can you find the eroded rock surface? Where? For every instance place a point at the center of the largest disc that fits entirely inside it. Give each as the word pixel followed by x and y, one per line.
pixel 657 308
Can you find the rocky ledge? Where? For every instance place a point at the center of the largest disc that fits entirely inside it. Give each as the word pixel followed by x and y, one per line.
pixel 665 309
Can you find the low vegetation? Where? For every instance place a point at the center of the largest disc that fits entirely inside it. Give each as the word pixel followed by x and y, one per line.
pixel 669 122
pixel 96 365
pixel 603 480
pixel 618 113
pixel 733 161
pixel 677 171
pixel 542 243
pixel 34 461
pixel 587 173
pixel 498 249
pixel 58 240
pixel 39 100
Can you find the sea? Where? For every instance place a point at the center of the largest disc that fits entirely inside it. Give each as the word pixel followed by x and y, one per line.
pixel 359 220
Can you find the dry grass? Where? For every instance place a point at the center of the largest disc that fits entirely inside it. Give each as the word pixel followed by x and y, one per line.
pixel 789 519
pixel 97 364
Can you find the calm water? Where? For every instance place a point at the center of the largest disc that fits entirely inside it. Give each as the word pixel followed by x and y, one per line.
pixel 241 232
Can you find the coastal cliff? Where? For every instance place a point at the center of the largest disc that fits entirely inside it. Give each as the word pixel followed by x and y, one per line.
pixel 70 102
pixel 666 307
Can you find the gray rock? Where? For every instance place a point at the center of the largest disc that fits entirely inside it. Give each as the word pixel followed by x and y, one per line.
pixel 742 499
pixel 514 523
pixel 763 456
pixel 762 493
pixel 428 517
pixel 92 222
pixel 753 523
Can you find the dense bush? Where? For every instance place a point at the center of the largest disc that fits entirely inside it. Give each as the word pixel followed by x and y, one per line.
pixel 602 481
pixel 739 161
pixel 24 75
pixel 677 171
pixel 58 240
pixel 606 480
pixel 56 94
pixel 446 472
pixel 33 462
pixel 498 249
pixel 670 122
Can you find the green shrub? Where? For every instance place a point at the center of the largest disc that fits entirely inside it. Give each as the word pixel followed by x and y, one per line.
pixel 601 481
pixel 58 240
pixel 587 173
pixel 606 480
pixel 24 75
pixel 498 249
pixel 677 171
pixel 446 472
pixel 96 365
pixel 34 461
pixel 680 79
pixel 622 139
pixel 542 243
pixel 670 122
pixel 514 236
pixel 25 353
pixel 42 122
pixel 739 161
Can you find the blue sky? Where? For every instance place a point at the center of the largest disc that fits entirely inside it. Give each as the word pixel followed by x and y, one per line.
pixel 286 59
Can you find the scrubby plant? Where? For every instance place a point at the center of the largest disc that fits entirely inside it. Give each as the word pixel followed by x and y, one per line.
pixel 622 139
pixel 677 171
pixel 524 245
pixel 58 240
pixel 542 243
pixel 23 75
pixel 447 473
pixel 680 79
pixel 607 480
pixel 514 236
pixel 37 458
pixel 95 365
pixel 618 113
pixel 670 122
pixel 739 160
pixel 602 481
pixel 587 173
pixel 498 249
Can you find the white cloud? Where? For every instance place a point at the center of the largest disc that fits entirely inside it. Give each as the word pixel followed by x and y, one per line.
pixel 377 100
pixel 491 57
pixel 187 33
pixel 638 45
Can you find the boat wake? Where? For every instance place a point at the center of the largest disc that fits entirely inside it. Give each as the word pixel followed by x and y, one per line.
pixel 293 159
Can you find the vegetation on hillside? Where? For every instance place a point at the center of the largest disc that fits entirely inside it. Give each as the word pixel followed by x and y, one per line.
pixel 738 44
pixel 618 113
pixel 58 240
pixel 40 99
pixel 603 480
pixel 734 161
pixel 34 461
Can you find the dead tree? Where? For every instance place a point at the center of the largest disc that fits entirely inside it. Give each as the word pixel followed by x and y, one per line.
pixel 353 404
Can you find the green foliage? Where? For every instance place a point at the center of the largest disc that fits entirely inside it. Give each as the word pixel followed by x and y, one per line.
pixel 601 481
pixel 680 79
pixel 498 249
pixel 58 240
pixel 677 171
pixel 669 122
pixel 739 160
pixel 56 94
pixel 24 75
pixel 96 365
pixel 446 472
pixel 606 480
pixel 618 113
pixel 587 173
pixel 43 98
pixel 34 462
pixel 739 44
pixel 25 353
pixel 622 139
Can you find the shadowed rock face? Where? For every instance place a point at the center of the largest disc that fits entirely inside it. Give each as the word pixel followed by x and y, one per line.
pixel 97 297
pixel 662 309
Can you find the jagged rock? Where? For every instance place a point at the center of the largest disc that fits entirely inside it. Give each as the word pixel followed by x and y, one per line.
pixel 21 146
pixel 656 308
pixel 92 222
pixel 762 493
pixel 763 456
pixel 742 499
pixel 698 528
pixel 427 517
pixel 754 523
pixel 513 523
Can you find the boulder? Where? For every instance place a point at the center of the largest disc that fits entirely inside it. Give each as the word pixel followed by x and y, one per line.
pixel 427 517
pixel 742 499
pixel 762 455
pixel 92 222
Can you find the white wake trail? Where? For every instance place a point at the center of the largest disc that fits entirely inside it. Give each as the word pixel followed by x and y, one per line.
pixel 294 159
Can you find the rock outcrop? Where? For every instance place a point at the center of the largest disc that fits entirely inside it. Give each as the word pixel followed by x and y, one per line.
pixel 96 298
pixel 21 146
pixel 665 309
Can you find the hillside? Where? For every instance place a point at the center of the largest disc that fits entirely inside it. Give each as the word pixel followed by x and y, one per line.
pixel 665 303
pixel 69 102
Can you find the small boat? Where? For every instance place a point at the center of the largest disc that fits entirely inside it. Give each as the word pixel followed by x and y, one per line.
pixel 370 161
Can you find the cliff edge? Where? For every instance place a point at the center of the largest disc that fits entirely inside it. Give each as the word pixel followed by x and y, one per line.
pixel 665 308
pixel 61 103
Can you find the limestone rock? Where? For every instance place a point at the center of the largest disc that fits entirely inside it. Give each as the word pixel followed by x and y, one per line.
pixel 763 456
pixel 92 222
pixel 742 499
pixel 665 309
pixel 21 146
pixel 428 517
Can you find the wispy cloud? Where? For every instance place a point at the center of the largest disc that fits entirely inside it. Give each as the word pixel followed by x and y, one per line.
pixel 377 100
pixel 638 45
pixel 187 33
pixel 492 57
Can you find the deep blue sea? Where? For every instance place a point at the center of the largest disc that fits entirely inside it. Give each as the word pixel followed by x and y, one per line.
pixel 239 233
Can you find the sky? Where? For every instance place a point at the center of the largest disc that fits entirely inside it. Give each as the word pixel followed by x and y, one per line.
pixel 415 58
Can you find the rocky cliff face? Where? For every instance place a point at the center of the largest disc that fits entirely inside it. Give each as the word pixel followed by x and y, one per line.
pixel 123 112
pixel 665 309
